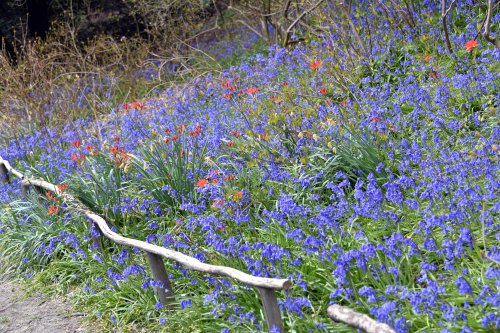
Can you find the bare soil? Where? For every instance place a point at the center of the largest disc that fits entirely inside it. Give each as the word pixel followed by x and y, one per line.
pixel 36 314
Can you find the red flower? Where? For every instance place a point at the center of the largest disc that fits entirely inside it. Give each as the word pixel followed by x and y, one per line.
pixel 215 181
pixel 285 84
pixel 322 91
pixel 229 178
pixel 217 203
pixel 125 106
pixel 343 103
pixel 62 187
pixel 236 134
pixel 263 136
pixel 252 90
pixel 230 143
pixel 49 195
pixel 328 101
pixel 76 143
pixel 227 96
pixel 427 58
pixel 238 195
pixel 315 65
pixel 114 150
pixel 375 119
pixel 471 45
pixel 136 105
pixel 53 210
pixel 202 182
pixel 74 157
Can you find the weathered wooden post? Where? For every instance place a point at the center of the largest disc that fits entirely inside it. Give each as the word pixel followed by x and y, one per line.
pixel 165 292
pixel 271 309
pixel 4 173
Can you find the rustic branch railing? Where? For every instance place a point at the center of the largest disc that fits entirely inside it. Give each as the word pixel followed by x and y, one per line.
pixel 154 254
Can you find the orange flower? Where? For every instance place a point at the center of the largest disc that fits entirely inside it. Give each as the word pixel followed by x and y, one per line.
pixel 343 103
pixel 322 91
pixel 252 90
pixel 227 96
pixel 215 181
pixel 230 143
pixel 471 45
pixel 202 182
pixel 49 195
pixel 426 58
pixel 315 65
pixel 328 102
pixel 53 210
pixel 236 134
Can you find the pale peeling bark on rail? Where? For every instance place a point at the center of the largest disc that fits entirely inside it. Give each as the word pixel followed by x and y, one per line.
pixel 357 320
pixel 186 261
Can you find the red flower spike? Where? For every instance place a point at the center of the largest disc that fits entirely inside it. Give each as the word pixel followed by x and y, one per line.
pixel 202 182
pixel 252 90
pixel 229 178
pixel 427 58
pixel 315 65
pixel 53 210
pixel 375 119
pixel 62 187
pixel 76 143
pixel 471 45
pixel 322 91
pixel 227 96
pixel 328 102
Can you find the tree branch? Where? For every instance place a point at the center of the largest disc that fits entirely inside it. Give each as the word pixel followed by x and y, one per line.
pixel 357 320
pixel 487 26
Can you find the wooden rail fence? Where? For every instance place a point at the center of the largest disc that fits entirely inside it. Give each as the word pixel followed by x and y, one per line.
pixel 266 286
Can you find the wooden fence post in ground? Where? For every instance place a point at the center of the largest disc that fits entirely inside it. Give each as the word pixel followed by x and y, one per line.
pixel 271 309
pixel 165 292
pixel 4 173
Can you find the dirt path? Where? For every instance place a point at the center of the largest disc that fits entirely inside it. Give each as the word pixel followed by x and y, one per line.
pixel 36 314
